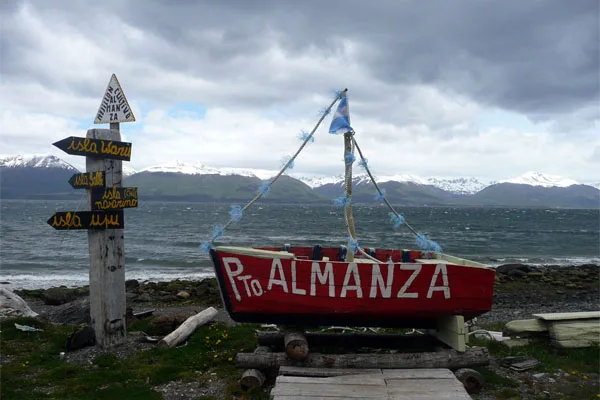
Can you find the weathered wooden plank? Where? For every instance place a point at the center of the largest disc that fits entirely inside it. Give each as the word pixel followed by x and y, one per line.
pixel 343 397
pixel 571 344
pixel 324 372
pixel 107 256
pixel 425 385
pixel 581 333
pixel 396 394
pixel 568 315
pixel 525 327
pixel 473 356
pixel 347 390
pixel 366 380
pixel 425 373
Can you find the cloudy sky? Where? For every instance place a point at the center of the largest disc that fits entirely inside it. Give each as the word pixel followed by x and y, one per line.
pixel 489 89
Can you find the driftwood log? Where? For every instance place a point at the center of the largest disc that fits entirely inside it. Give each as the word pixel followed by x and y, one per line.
pixel 472 380
pixel 188 327
pixel 252 377
pixel 350 340
pixel 452 359
pixel 296 346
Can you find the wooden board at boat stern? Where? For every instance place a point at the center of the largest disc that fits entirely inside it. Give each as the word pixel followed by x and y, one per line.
pixel 280 289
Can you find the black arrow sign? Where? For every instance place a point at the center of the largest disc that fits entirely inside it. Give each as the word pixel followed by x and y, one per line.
pixel 113 198
pixel 80 146
pixel 88 180
pixel 71 220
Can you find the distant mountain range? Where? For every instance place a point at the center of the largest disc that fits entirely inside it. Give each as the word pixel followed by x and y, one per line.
pixel 45 177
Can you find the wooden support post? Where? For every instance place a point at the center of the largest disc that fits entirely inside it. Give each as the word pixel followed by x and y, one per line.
pixel 451 331
pixel 107 257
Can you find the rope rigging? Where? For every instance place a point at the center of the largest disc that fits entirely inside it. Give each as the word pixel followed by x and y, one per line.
pixel 350 145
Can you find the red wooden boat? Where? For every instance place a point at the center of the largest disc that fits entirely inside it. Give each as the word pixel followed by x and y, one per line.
pixel 314 286
pixel 363 287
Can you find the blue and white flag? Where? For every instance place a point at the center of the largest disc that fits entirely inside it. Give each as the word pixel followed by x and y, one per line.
pixel 341 118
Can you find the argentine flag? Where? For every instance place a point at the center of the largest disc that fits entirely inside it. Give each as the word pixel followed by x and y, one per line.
pixel 341 118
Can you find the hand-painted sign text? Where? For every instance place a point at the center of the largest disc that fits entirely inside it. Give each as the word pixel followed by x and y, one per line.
pixel 88 180
pixel 113 198
pixel 80 146
pixel 65 220
pixel 312 278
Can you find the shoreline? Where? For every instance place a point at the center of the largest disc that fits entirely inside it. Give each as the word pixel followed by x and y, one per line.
pixel 22 282
pixel 520 291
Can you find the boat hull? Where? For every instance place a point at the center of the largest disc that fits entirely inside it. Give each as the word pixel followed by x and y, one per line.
pixel 284 289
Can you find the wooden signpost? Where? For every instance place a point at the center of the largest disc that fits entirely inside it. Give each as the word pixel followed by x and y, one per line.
pixel 105 222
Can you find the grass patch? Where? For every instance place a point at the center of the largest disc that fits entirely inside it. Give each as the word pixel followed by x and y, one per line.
pixel 32 370
pixel 551 358
pixel 493 380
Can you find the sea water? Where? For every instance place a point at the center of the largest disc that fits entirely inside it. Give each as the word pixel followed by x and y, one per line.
pixel 162 239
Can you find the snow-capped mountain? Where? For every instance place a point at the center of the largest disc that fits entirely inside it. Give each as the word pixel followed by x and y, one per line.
pixel 456 185
pixel 34 161
pixel 198 168
pixel 128 171
pixel 539 179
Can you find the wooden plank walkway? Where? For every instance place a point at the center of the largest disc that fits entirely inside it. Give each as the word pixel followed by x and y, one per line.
pixel 372 384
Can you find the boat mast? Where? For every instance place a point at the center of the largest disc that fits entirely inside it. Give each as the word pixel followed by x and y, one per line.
pixel 349 219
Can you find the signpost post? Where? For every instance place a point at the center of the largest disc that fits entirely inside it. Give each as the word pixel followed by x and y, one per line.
pixel 104 154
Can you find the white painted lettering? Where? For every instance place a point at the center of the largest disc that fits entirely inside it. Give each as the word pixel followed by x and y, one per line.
pixel 402 292
pixel 256 288
pixel 439 269
pixel 377 281
pixel 276 266
pixel 227 261
pixel 322 277
pixel 295 290
pixel 352 271
pixel 245 280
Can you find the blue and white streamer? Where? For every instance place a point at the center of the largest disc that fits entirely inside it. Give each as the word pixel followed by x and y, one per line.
pixel 264 188
pixel 306 137
pixel 217 233
pixel 286 160
pixel 349 157
pixel 427 244
pixel 364 163
pixel 340 201
pixel 380 196
pixel 397 220
pixel 236 213
pixel 205 247
pixel 353 243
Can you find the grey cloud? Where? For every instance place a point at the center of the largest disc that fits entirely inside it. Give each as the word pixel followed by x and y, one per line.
pixel 535 57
